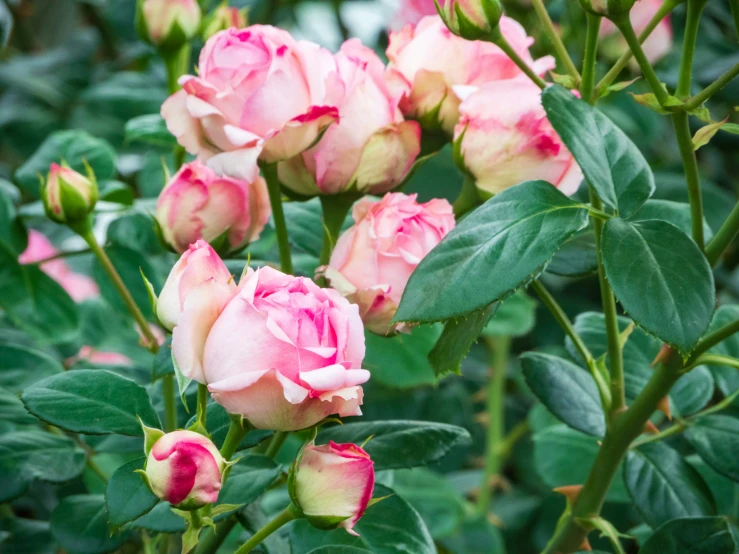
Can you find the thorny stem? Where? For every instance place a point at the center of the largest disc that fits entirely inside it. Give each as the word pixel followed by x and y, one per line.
pixel 712 89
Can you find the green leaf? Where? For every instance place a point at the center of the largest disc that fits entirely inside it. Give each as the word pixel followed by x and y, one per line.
pixel 664 486
pixel 476 534
pixel 676 296
pixel 148 129
pixel 727 378
pixel 401 361
pixel 160 519
pixel 512 236
pixel 127 496
pixel 13 409
pixel 27 536
pixel 163 361
pixel 704 135
pixel 390 527
pixel 398 444
pixel 29 455
pixel 563 456
pixel 135 231
pixel 20 367
pixel 34 301
pixel 576 257
pixel 692 392
pixel 677 213
pixel 693 535
pixel 514 317
pixel 339 549
pixel 80 525
pixel 217 423
pixel 248 479
pixel 612 164
pixel 567 390
pixel 72 147
pixel 456 340
pixel 92 401
pixel 716 439
pixel 12 231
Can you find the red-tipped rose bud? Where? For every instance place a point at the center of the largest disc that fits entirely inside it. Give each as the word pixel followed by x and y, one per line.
pixel 185 469
pixel 222 18
pixel 167 24
pixel 68 196
pixel 470 19
pixel 332 484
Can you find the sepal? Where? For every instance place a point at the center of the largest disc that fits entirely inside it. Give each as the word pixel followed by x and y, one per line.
pixel 151 436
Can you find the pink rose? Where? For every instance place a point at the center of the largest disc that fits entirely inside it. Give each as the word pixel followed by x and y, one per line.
pixel 505 138
pixel 198 266
pixel 655 47
pixel 259 93
pixel 169 21
pixel 427 61
pixel 77 285
pixel 284 353
pixel 374 259
pixel 371 148
pixel 332 484
pixel 198 204
pixel 184 468
pixel 91 355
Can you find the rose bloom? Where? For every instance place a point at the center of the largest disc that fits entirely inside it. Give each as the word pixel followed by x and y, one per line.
pixel 504 138
pixel 283 352
pixel 184 468
pixel 374 259
pixel 655 47
pixel 77 285
pixel 427 61
pixel 332 482
pixel 199 204
pixel 258 93
pixel 371 148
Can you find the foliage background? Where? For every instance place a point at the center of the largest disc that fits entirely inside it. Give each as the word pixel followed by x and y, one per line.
pixel 75 73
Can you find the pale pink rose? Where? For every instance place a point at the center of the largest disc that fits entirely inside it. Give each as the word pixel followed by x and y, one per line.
pixel 333 481
pixel 427 61
pixel 505 138
pixel 78 286
pixel 68 196
pixel 198 266
pixel 374 259
pixel 412 11
pixel 199 204
pixel 177 20
pixel 259 93
pixel 655 47
pixel 184 468
pixel 285 353
pixel 91 355
pixel 371 148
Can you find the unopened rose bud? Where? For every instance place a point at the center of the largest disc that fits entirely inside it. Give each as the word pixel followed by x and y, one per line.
pixel 167 24
pixel 68 196
pixel 608 8
pixel 222 18
pixel 185 469
pixel 470 19
pixel 197 266
pixel 332 484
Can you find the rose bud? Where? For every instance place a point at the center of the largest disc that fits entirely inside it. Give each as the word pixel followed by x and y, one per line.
pixel 167 24
pixel 184 468
pixel 258 93
pixel 524 146
pixel 371 148
pixel 374 259
pixel 222 18
pixel 658 43
pixel 332 484
pixel 284 352
pixel 427 62
pixel 198 204
pixel 470 19
pixel 69 197
pixel 198 269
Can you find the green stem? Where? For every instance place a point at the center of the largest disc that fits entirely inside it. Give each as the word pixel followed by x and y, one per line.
pixel 177 64
pixel 67 254
pixel 335 207
pixel 562 55
pixel 723 237
pixel 734 4
pixel 212 539
pixel 587 86
pixel 690 37
pixel 235 433
pixel 500 347
pixel 287 515
pixel 712 339
pixel 712 89
pixel 202 403
pixel 93 465
pixel 666 7
pixel 499 40
pixel 615 353
pixel 561 318
pixel 468 198
pixel 505 448
pixel 625 428
pixel 690 163
pixel 275 200
pixel 170 405
pixel 276 443
pixel 624 25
